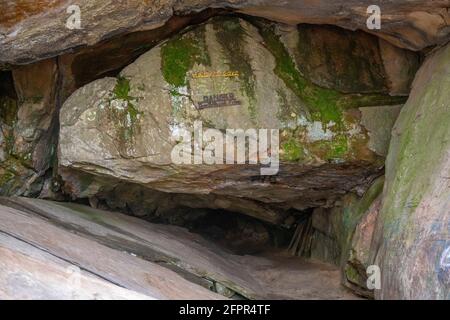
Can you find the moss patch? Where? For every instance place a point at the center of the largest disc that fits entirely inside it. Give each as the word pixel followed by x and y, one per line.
pixel 324 105
pixel 418 152
pixel 231 36
pixel 292 150
pixel 13 173
pixel 123 113
pixel 334 149
pixel 179 54
pixel 122 92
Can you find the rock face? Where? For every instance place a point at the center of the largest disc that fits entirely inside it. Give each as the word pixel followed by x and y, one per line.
pixel 413 225
pixel 360 255
pixel 126 129
pixel 323 57
pixel 29 128
pixel 27 35
pixel 343 236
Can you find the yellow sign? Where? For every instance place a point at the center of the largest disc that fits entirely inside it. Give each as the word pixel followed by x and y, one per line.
pixel 215 74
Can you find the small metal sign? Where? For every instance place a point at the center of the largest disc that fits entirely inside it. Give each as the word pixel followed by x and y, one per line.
pixel 215 74
pixel 219 100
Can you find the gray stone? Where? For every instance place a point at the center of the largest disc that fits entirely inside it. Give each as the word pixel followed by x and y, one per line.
pixel 27 35
pixel 412 233
pixel 124 130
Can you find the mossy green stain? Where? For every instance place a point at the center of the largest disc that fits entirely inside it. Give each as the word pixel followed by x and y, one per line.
pixel 180 53
pixel 338 148
pixel 334 149
pixel 126 119
pixel 324 104
pixel 122 92
pixel 6 177
pixel 351 274
pixel 13 174
pixel 292 150
pixel 418 148
pixel 231 36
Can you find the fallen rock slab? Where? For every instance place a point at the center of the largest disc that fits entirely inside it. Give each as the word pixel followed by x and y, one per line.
pixel 111 237
pixel 114 267
pixel 28 272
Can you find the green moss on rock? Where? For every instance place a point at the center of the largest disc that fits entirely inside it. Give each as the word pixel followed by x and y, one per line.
pixel 180 53
pixel 231 36
pixel 334 149
pixel 13 174
pixel 324 104
pixel 123 113
pixel 292 150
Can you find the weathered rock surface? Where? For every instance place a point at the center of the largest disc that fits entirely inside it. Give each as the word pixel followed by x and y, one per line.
pixel 343 235
pixel 359 255
pixel 322 55
pixel 28 273
pixel 33 30
pixel 115 250
pixel 413 225
pixel 125 129
pixel 29 125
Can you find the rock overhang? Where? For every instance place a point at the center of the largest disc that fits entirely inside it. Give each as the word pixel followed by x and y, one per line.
pixel 122 128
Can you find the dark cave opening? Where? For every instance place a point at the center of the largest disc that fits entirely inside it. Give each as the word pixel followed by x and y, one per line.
pixel 239 233
pixel 236 232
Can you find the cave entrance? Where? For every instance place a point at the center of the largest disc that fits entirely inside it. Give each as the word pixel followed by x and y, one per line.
pixel 342 166
pixel 242 234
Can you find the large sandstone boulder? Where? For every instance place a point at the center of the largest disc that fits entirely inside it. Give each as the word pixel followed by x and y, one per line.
pixel 125 129
pixel 413 224
pixel 27 35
